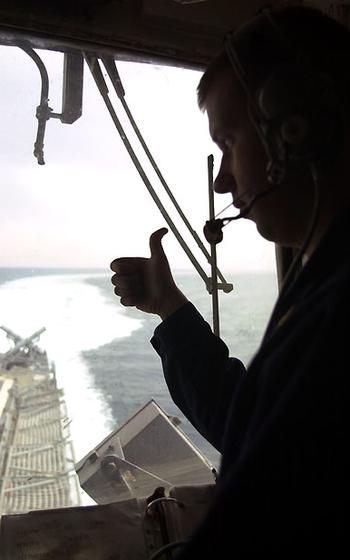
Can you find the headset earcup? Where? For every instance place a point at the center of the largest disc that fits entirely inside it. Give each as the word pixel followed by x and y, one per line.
pixel 300 107
pixel 294 129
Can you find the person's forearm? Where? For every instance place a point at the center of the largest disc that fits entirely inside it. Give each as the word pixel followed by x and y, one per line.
pixel 200 375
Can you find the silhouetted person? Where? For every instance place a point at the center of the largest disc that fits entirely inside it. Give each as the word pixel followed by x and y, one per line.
pixel 278 103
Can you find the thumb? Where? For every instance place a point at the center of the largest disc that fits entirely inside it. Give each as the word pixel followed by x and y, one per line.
pixel 155 243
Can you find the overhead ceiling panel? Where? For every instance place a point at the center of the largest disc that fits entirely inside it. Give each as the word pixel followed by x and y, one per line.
pixel 181 32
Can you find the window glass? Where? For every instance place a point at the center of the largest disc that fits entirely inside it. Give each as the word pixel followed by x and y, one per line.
pixel 62 223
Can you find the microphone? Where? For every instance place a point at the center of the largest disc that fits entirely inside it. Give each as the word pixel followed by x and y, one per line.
pixel 213 228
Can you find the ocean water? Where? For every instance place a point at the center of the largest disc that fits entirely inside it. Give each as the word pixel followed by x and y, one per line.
pixel 103 357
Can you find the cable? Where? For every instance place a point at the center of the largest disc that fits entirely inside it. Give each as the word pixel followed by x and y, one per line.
pixel 288 280
pixel 43 110
pixel 166 548
pixel 291 275
pixel 164 499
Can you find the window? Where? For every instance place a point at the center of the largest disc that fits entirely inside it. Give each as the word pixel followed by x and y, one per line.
pixel 62 223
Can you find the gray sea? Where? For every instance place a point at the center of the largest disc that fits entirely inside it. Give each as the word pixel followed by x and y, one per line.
pixel 102 351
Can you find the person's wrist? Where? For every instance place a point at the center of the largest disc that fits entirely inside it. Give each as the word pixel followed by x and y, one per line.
pixel 172 304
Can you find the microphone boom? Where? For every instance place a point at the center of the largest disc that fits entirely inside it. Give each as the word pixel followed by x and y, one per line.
pixel 213 228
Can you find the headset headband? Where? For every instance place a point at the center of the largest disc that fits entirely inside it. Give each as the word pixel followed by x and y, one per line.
pixel 263 23
pixel 293 109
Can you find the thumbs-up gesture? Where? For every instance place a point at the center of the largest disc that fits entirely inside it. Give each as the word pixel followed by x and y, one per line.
pixel 147 284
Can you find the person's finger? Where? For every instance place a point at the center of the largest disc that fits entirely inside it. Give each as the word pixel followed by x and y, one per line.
pixel 125 286
pixel 125 265
pixel 126 280
pixel 128 301
pixel 114 279
pixel 155 243
pixel 126 291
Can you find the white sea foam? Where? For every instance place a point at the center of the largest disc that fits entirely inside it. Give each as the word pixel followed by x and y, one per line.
pixel 77 317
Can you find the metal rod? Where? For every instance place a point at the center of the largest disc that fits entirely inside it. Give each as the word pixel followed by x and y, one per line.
pixel 114 76
pixel 94 66
pixel 214 277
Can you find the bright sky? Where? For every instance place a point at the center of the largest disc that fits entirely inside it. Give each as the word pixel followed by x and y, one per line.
pixel 88 205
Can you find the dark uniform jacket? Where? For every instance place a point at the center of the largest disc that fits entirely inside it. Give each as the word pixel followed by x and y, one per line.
pixel 282 426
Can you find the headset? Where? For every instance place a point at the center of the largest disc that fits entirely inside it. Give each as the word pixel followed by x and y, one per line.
pixel 295 109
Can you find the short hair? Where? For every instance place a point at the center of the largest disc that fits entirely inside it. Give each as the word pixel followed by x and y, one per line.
pixel 313 37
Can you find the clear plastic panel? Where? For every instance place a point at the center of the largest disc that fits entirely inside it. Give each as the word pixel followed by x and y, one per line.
pixel 147 452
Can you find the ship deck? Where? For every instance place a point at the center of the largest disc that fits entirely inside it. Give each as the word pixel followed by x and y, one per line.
pixel 36 453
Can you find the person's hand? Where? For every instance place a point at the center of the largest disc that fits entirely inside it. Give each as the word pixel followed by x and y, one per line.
pixel 147 284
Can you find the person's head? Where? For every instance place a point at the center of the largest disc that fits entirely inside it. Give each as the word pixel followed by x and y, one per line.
pixel 292 69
